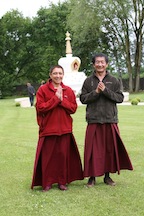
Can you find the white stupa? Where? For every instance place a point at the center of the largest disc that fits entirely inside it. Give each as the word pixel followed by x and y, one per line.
pixel 71 64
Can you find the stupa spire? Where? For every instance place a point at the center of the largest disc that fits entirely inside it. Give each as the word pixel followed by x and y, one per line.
pixel 68 44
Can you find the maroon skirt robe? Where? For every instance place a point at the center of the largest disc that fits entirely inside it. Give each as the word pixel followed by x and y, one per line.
pixel 104 150
pixel 57 161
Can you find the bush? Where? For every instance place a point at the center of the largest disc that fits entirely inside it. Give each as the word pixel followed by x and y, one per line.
pixel 17 104
pixel 134 101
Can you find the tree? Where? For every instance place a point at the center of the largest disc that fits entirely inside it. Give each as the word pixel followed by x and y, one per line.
pixel 124 21
pixel 29 47
pixel 49 28
pixel 15 52
pixel 122 24
pixel 85 25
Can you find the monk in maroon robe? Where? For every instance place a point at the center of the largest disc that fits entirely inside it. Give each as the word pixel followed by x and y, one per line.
pixel 104 150
pixel 57 156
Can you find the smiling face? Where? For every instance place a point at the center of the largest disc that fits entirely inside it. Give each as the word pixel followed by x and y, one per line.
pixel 100 65
pixel 57 76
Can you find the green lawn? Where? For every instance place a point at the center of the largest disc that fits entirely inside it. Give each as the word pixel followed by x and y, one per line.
pixel 18 141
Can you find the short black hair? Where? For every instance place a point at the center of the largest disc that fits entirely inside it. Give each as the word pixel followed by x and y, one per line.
pixel 56 66
pixel 99 55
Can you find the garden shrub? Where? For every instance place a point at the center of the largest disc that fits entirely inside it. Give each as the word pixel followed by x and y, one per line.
pixel 17 104
pixel 134 101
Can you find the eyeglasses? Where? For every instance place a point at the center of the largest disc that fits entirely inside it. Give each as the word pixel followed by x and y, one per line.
pixel 100 62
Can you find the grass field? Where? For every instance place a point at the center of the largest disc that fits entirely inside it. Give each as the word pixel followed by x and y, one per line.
pixel 18 140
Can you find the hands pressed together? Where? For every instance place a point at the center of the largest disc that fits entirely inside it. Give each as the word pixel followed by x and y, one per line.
pixel 59 93
pixel 100 87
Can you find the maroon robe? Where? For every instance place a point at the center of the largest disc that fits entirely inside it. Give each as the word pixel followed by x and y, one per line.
pixel 57 157
pixel 57 161
pixel 104 150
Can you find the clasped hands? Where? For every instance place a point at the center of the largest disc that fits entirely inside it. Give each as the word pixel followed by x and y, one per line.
pixel 100 87
pixel 59 93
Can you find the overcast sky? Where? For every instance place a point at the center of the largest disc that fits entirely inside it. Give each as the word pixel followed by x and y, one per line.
pixel 26 7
